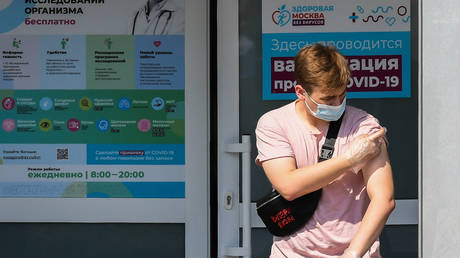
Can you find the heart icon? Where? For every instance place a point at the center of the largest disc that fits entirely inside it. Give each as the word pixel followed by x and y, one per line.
pixel 390 21
pixel 275 16
pixel 281 18
pixel 157 43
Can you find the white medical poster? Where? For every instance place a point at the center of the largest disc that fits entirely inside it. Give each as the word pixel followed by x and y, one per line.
pixel 92 99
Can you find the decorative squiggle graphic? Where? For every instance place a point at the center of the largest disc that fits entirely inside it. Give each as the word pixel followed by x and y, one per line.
pixel 374 19
pixel 402 10
pixel 360 8
pixel 381 8
pixel 406 20
pixel 390 21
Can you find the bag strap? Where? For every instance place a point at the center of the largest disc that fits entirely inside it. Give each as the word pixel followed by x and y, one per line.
pixel 328 147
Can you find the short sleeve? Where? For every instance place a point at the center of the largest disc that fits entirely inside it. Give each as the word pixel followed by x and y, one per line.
pixel 365 126
pixel 271 140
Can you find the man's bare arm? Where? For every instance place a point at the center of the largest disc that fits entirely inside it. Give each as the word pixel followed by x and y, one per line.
pixel 292 183
pixel 379 182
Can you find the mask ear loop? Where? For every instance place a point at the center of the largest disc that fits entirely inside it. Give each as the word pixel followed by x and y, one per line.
pixel 308 106
pixel 311 98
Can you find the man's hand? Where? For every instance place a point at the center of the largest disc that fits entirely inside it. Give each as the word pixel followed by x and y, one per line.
pixel 364 147
pixel 350 254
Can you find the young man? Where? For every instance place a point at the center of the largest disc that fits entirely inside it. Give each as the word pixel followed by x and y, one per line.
pixel 357 181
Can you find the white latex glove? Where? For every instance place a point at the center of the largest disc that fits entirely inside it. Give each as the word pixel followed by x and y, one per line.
pixel 364 147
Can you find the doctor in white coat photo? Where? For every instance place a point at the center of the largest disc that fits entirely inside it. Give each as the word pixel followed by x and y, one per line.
pixel 159 17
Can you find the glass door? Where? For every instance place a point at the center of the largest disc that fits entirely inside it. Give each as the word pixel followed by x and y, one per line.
pixel 243 98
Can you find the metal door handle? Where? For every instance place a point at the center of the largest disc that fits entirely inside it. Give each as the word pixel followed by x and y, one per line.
pixel 245 149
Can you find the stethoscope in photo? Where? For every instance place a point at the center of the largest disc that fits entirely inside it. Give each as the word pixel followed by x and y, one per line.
pixel 168 17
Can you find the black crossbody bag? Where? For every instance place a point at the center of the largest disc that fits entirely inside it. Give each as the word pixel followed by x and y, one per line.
pixel 283 217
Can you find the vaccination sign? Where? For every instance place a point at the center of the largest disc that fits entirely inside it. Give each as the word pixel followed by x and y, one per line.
pixel 92 99
pixel 374 36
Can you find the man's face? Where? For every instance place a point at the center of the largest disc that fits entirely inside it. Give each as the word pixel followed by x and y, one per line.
pixel 327 97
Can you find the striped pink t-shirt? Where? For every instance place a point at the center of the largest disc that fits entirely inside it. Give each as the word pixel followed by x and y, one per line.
pixel 281 133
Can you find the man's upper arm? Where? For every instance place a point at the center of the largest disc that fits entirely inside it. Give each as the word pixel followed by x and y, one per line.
pixel 365 125
pixel 378 176
pixel 277 169
pixel 271 140
pixel 275 153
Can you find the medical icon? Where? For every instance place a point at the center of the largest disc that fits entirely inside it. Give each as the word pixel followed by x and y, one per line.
pixel 124 104
pixel 64 42
pixel 45 125
pixel 103 125
pixel 144 125
pixel 46 103
pixel 108 43
pixel 158 103
pixel 16 43
pixel 85 104
pixel 73 125
pixel 8 103
pixel 8 125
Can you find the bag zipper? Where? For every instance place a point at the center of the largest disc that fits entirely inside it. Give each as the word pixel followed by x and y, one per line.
pixel 271 199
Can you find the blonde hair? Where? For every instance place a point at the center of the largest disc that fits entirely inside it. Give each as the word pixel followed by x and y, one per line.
pixel 321 66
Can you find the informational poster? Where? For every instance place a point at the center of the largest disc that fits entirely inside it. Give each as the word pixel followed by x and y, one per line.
pixel 92 99
pixel 374 36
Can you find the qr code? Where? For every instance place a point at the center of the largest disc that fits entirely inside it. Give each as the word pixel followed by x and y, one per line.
pixel 62 154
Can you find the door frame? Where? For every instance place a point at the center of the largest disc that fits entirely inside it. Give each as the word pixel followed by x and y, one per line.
pixel 197 129
pixel 227 123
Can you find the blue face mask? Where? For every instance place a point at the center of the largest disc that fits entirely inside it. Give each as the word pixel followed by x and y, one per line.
pixel 326 112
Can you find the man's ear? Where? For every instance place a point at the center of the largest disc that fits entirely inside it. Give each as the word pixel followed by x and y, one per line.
pixel 300 92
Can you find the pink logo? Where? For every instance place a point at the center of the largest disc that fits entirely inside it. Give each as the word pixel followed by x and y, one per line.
pixel 73 124
pixel 157 43
pixel 144 125
pixel 8 103
pixel 8 125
